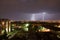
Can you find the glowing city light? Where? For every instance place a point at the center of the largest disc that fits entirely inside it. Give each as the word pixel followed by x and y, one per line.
pixel 25 29
pixel 3 23
pixel 26 25
pixel 59 26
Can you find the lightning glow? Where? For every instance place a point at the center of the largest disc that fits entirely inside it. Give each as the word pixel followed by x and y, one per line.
pixel 33 17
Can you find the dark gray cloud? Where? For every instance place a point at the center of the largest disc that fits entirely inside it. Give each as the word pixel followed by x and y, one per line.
pixel 17 9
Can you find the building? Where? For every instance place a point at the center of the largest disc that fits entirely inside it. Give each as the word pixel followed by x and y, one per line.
pixel 5 25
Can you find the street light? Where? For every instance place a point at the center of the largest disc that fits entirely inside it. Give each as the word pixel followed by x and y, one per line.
pixel 43 16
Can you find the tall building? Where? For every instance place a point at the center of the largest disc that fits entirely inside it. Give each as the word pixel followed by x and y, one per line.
pixel 5 25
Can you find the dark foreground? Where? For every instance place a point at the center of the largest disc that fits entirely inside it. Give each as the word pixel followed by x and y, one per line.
pixel 32 36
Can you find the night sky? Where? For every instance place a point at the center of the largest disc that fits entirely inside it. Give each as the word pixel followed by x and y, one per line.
pixel 24 9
